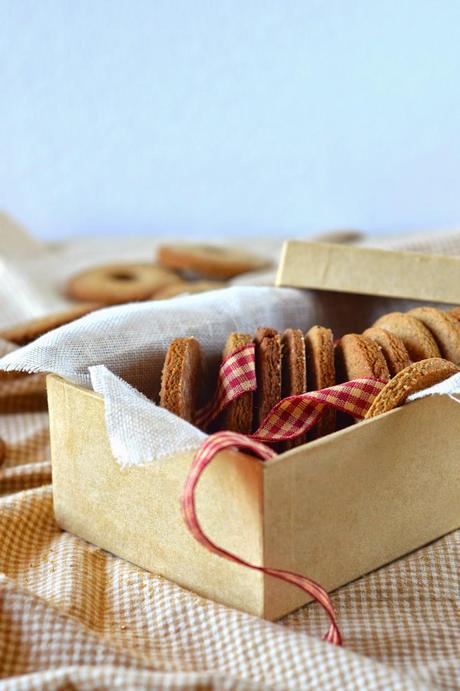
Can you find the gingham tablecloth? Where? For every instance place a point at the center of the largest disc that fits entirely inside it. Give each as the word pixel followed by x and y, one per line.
pixel 74 617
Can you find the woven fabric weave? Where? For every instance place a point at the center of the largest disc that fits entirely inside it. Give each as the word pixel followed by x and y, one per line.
pixel 74 617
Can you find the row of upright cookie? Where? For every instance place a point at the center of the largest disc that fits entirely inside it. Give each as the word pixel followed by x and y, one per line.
pixel 292 363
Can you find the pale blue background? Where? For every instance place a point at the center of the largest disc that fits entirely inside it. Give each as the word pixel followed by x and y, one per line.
pixel 240 116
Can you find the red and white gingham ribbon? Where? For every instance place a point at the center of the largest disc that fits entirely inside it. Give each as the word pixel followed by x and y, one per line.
pixel 237 375
pixel 297 414
pixel 289 418
pixel 213 444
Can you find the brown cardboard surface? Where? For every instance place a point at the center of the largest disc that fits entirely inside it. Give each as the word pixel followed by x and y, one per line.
pixel 340 507
pixel 333 509
pixel 367 271
pixel 135 513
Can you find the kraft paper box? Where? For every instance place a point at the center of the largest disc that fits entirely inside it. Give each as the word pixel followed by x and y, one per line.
pixel 333 509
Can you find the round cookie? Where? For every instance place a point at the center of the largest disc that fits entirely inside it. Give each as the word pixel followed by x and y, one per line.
pixel 293 372
pixel 2 452
pixel 28 331
pixel 209 261
pixel 417 339
pixel 181 377
pixel 393 349
pixel 237 416
pixel 117 283
pixel 187 288
pixel 268 372
pixel 416 377
pixel 358 357
pixel 455 312
pixel 319 344
pixel 445 329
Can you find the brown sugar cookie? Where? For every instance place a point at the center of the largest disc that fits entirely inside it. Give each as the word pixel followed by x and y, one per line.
pixel 268 372
pixel 293 372
pixel 420 375
pixel 445 329
pixel 417 339
pixel 237 416
pixel 393 349
pixel 181 377
pixel 319 344
pixel 455 312
pixel 209 261
pixel 28 331
pixel 187 288
pixel 357 357
pixel 117 283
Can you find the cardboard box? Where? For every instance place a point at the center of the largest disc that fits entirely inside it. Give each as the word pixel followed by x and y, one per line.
pixel 333 509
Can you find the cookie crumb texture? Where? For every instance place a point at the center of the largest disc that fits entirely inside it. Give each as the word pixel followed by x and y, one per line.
pixel 417 339
pixel 181 376
pixel 420 375
pixel 268 371
pixel 444 328
pixel 358 357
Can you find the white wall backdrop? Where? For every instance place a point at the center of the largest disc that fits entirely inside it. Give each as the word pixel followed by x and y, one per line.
pixel 144 116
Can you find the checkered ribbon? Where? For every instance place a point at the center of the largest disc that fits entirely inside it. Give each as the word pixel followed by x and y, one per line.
pixel 291 417
pixel 213 444
pixel 237 375
pixel 295 415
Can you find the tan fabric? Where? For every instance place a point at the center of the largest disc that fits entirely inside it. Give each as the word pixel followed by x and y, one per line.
pixel 75 617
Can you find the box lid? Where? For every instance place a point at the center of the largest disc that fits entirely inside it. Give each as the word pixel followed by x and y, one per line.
pixel 367 271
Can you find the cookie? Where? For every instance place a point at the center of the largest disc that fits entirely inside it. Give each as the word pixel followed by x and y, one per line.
pixel 28 331
pixel 117 283
pixel 2 452
pixel 187 288
pixel 393 349
pixel 293 372
pixel 416 377
pixel 319 344
pixel 455 312
pixel 209 261
pixel 358 357
pixel 417 339
pixel 445 329
pixel 181 378
pixel 237 416
pixel 268 372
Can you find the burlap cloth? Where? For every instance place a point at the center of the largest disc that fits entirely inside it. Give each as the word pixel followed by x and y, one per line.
pixel 75 617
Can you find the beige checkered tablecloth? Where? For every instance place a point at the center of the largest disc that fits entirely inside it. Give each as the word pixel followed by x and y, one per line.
pixel 74 617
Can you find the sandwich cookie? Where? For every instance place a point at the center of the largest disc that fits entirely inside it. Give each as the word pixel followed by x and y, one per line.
pixel 393 349
pixel 445 329
pixel 420 375
pixel 181 378
pixel 237 416
pixel 209 261
pixel 294 372
pixel 268 372
pixel 319 344
pixel 118 283
pixel 417 339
